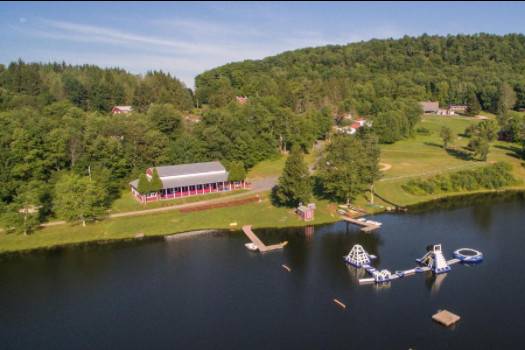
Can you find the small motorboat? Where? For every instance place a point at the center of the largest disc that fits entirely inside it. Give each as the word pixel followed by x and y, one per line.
pixel 468 255
pixel 251 246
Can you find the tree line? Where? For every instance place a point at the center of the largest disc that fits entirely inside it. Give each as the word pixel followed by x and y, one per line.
pixel 88 87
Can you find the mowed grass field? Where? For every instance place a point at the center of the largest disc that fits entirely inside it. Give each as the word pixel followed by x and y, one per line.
pixel 259 214
pixel 424 156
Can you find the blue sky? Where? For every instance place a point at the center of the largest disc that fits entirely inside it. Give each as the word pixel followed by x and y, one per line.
pixel 186 38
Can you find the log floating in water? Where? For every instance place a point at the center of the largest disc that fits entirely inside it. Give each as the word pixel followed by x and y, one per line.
pixel 340 303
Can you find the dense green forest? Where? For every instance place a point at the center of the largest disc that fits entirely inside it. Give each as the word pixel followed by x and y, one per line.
pixel 87 87
pixel 357 75
pixel 380 78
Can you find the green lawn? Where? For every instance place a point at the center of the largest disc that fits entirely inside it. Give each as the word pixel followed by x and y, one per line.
pixel 266 168
pixel 274 167
pixel 424 155
pixel 259 215
pixel 127 202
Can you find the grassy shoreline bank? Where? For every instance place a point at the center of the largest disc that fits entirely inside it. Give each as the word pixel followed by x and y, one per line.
pixel 260 215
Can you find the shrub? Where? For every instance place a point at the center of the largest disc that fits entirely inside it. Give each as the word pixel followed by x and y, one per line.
pixel 490 177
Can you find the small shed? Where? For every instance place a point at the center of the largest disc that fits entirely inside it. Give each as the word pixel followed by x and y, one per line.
pixel 121 110
pixel 306 212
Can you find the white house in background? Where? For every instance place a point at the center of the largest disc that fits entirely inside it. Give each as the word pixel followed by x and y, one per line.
pixel 121 109
pixel 352 128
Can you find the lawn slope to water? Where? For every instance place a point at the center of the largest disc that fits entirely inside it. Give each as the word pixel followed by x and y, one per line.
pixel 260 214
pixel 424 156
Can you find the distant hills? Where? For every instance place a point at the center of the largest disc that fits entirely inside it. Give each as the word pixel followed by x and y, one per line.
pixel 359 76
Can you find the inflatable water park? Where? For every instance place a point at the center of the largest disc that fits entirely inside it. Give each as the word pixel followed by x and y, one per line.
pixel 433 260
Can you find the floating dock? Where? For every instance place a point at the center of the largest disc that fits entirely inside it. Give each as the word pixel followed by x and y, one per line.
pixel 446 318
pixel 366 225
pixel 260 245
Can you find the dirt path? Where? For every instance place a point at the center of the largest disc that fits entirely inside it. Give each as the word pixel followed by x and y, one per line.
pixel 385 166
pixel 258 186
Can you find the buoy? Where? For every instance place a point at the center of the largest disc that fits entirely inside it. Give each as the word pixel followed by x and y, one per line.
pixel 286 268
pixel 340 303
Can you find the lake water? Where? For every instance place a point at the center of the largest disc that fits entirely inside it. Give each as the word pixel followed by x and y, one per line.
pixel 210 292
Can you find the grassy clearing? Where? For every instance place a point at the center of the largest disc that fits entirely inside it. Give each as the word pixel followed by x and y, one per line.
pixel 267 168
pixel 274 167
pixel 262 214
pixel 424 156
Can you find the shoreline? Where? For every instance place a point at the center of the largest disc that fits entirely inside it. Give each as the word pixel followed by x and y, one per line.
pixel 431 204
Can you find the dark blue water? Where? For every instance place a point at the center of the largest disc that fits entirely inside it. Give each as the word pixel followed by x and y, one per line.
pixel 209 292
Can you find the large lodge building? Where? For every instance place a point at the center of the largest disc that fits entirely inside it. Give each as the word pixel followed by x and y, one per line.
pixel 185 180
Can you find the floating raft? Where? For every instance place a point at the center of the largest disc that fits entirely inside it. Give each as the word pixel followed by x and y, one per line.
pixel 260 245
pixel 446 318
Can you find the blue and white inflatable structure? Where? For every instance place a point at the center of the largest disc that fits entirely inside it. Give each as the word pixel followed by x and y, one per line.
pixel 433 260
pixel 468 255
pixel 358 257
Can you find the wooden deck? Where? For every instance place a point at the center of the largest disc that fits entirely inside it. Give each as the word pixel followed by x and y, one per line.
pixel 260 245
pixel 365 226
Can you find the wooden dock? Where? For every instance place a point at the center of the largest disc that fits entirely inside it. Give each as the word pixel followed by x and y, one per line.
pixel 260 245
pixel 365 226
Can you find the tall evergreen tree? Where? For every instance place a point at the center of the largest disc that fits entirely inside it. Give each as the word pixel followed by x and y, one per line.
pixel 143 186
pixel 473 106
pixel 155 184
pixel 294 184
pixel 506 101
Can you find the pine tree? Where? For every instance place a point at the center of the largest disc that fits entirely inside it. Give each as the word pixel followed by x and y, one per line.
pixel 155 184
pixel 294 184
pixel 143 186
pixel 506 101
pixel 473 106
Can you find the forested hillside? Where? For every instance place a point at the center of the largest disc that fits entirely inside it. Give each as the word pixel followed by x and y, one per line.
pixel 365 77
pixel 88 87
pixel 59 143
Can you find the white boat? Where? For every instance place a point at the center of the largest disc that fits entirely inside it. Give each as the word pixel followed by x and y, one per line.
pixel 251 246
